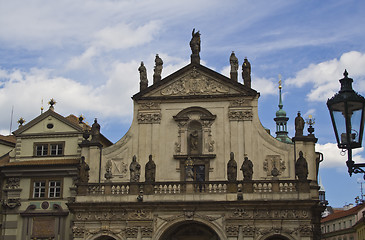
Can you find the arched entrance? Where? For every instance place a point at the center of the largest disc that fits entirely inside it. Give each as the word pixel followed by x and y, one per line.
pixel 277 237
pixel 105 238
pixel 190 231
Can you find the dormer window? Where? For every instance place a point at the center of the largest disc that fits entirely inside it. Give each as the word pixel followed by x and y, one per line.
pixel 49 149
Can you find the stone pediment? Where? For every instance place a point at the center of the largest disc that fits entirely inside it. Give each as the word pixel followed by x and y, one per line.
pixel 195 81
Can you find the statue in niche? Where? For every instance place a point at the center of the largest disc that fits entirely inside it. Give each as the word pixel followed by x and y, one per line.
pixel 246 73
pixel 108 170
pixel 157 69
pixel 135 170
pixel 247 169
pixel 194 142
pixel 299 125
pixel 195 46
pixel 234 66
pixel 150 170
pixel 301 167
pixel 232 169
pixel 143 84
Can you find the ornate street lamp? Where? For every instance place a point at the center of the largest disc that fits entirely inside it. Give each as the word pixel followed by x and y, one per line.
pixel 347 114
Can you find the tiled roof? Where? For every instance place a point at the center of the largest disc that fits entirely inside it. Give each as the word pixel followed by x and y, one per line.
pixel 44 162
pixel 9 138
pixel 340 214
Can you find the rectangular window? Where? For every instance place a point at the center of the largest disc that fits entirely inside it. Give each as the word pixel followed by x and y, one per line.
pixel 39 190
pixel 56 149
pixel 46 188
pixel 49 149
pixel 42 150
pixel 54 189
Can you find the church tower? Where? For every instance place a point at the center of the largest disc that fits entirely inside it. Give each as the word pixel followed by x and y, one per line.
pixel 281 120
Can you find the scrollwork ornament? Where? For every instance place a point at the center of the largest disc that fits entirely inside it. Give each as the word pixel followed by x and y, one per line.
pixel 240 115
pixel 12 183
pixel 11 203
pixel 148 118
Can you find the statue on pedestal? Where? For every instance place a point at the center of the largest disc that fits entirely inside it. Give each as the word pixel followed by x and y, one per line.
pixel 150 170
pixel 135 170
pixel 247 169
pixel 232 169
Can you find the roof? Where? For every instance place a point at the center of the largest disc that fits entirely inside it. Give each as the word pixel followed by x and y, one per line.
pixel 49 112
pixel 9 140
pixel 194 67
pixel 344 213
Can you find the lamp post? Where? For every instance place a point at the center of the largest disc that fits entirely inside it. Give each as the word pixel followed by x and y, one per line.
pixel 347 114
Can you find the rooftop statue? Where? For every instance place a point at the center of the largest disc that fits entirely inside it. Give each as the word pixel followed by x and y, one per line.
pixel 143 84
pixel 246 73
pixel 299 125
pixel 234 66
pixel 157 69
pixel 195 47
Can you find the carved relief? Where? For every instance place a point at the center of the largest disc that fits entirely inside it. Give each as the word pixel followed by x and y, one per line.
pixel 11 203
pixel 104 215
pixel 232 230
pixel 119 167
pixel 269 214
pixel 146 231
pixel 195 84
pixel 131 232
pixel 239 103
pixel 148 117
pixel 12 183
pixel 139 214
pixel 240 115
pixel 248 231
pixel 78 232
pixel 149 105
pixel 274 162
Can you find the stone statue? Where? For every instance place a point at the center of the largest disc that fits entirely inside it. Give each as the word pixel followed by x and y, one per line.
pixel 195 47
pixel 247 169
pixel 157 69
pixel 108 170
pixel 194 141
pixel 95 131
pixel 301 167
pixel 83 171
pixel 150 170
pixel 233 60
pixel 135 170
pixel 299 125
pixel 189 173
pixel 232 169
pixel 143 84
pixel 246 73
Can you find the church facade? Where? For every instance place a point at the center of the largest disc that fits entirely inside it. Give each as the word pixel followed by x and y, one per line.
pixel 196 163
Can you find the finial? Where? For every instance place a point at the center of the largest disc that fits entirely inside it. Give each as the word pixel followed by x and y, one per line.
pixel 51 103
pixel 81 118
pixel 345 74
pixel 42 106
pixel 280 81
pixel 21 121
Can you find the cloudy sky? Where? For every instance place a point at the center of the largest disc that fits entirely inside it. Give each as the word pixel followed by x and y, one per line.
pixel 85 55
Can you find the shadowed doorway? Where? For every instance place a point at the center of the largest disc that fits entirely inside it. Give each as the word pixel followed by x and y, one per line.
pixel 190 231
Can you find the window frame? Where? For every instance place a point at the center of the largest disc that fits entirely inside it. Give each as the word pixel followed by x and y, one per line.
pixel 49 149
pixel 47 188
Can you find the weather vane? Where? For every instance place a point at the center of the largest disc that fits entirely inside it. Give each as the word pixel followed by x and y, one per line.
pixel 279 81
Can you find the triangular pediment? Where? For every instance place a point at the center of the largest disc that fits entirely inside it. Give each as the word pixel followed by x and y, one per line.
pixel 48 122
pixel 195 80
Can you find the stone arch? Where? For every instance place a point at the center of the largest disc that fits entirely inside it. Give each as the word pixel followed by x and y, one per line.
pixel 105 236
pixel 189 230
pixel 276 236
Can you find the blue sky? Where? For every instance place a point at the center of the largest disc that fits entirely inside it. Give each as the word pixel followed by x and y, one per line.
pixel 85 54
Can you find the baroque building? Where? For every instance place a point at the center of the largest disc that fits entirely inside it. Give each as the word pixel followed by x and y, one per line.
pixel 196 163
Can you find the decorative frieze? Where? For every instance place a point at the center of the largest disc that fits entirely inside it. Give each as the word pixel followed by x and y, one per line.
pixel 269 214
pixel 239 103
pixel 232 230
pixel 139 214
pixel 100 215
pixel 149 105
pixel 149 117
pixel 240 115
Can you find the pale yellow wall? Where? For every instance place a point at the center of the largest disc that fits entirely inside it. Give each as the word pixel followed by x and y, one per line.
pixel 4 149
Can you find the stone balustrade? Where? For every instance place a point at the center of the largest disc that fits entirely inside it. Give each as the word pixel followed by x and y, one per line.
pixel 183 187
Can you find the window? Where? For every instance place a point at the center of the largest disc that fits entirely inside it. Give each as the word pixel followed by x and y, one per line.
pixel 45 188
pixel 49 149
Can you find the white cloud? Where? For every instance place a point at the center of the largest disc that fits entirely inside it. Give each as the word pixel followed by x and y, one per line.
pixel 335 157
pixel 265 86
pixel 324 76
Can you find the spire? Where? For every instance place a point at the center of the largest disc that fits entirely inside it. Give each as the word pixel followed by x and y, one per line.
pixel 281 120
